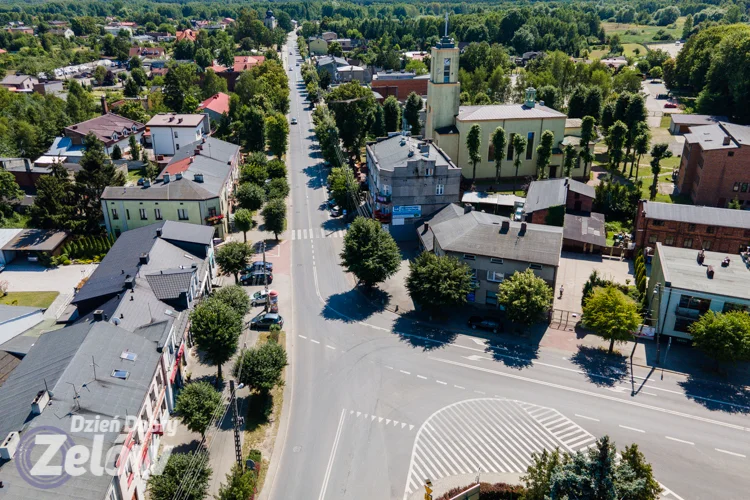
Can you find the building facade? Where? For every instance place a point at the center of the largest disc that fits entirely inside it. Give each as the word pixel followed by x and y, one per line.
pixel 687 226
pixel 171 131
pixel 113 130
pixel 543 195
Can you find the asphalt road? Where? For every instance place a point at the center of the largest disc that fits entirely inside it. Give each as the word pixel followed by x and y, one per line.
pixel 376 403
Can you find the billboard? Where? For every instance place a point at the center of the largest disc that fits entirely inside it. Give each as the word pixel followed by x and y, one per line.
pixel 407 211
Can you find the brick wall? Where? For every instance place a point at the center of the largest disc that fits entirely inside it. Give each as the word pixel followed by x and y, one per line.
pixel 538 217
pixel 715 177
pixel 578 202
pixel 400 88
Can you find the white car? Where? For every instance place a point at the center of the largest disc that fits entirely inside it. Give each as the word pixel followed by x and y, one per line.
pixel 294 121
pixel 259 298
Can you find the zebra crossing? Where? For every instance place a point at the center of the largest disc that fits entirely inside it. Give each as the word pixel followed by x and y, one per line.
pixel 488 435
pixel 316 233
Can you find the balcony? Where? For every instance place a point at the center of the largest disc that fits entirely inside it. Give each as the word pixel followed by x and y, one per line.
pixel 214 220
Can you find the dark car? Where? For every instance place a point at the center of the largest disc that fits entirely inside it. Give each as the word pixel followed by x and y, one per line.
pixel 485 323
pixel 263 321
pixel 256 278
pixel 335 211
pixel 258 266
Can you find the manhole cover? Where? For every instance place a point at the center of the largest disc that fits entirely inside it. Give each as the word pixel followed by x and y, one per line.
pixel 297 449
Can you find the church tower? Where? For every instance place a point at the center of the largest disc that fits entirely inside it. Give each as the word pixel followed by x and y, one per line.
pixel 443 89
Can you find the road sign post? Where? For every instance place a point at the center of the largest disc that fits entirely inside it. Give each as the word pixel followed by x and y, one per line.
pixel 427 489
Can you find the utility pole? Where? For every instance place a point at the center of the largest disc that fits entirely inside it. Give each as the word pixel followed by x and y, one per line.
pixel 236 421
pixel 265 271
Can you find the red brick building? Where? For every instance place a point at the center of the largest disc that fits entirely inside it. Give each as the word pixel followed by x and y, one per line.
pixel 688 226
pixel 386 85
pixel 714 167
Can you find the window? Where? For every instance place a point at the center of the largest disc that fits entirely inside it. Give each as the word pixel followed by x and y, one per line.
pixel 469 257
pixel 182 214
pixel 707 245
pixel 688 243
pixel 157 214
pixel 439 189
pixel 177 146
pixel 446 70
pixel 491 152
pixel 731 153
pixel 491 298
pixel 669 240
pixel 117 232
pixel 428 172
pixel 529 145
pixel 653 239
pixel 691 227
pixel 143 213
pixel 495 276
pixel 510 147
pixel 537 267
pixel 730 306
pixel 495 260
pixel 114 214
pixel 744 187
pixel 736 187
pixel 175 134
pixel 212 212
pixel 694 304
pixel 121 374
pixel 711 229
pixel 658 222
pixel 127 213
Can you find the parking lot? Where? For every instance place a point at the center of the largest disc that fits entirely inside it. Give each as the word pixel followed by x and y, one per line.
pixel 574 271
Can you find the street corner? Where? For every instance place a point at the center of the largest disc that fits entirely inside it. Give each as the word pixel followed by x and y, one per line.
pixel 278 253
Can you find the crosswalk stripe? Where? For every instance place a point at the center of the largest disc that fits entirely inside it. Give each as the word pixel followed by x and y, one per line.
pixel 304 234
pixel 292 231
pixel 484 455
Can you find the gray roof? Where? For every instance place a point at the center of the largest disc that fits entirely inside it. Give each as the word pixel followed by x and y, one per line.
pixel 169 284
pixel 681 269
pixel 37 240
pixel 15 79
pixel 503 200
pixel 723 217
pixel 184 189
pixel 497 112
pixel 479 233
pixel 553 192
pixel 9 313
pixel 689 119
pixel 393 152
pixel 189 233
pixel 337 61
pixel 425 230
pixel 140 308
pixel 710 137
pixel 586 229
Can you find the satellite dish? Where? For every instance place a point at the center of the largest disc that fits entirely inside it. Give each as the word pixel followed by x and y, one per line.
pixel 116 321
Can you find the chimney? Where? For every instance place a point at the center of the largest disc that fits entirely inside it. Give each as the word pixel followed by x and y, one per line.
pixel 166 178
pixel 40 402
pixel 710 272
pixel 179 120
pixel 178 176
pixel 701 257
pixel 144 258
pixel 726 140
pixel 147 183
pixel 505 227
pixel 27 164
pixel 197 151
pixel 98 315
pixel 424 148
pixel 10 445
pixel 158 232
pixel 468 208
pixel 198 178
pixel 105 107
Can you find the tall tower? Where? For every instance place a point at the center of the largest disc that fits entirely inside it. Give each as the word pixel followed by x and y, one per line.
pixel 443 89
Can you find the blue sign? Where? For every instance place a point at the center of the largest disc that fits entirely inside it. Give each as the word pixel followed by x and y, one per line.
pixel 407 211
pixel 471 297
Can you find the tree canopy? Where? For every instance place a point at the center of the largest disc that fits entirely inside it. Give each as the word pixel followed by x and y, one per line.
pixel 370 253
pixel 260 368
pixel 612 315
pixel 525 297
pixel 438 282
pixel 196 405
pixel 232 258
pixel 216 329
pixel 723 336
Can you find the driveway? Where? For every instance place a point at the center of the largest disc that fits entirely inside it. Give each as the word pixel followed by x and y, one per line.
pixel 29 277
pixel 574 271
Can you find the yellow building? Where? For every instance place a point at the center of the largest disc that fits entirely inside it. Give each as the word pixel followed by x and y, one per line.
pixel 317 46
pixel 448 122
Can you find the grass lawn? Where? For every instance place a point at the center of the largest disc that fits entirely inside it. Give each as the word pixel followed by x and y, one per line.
pixel 640 34
pixel 30 299
pixel 629 49
pixel 262 419
pixel 598 54
pixel 133 176
pixel 665 121
pixel 17 221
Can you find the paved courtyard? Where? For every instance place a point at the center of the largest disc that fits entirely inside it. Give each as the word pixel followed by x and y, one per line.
pixel 30 277
pixel 575 269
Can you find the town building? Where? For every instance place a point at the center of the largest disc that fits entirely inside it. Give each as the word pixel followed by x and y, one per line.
pixel 686 283
pixel 148 52
pixel 34 245
pixel 115 28
pixel 353 74
pixel 14 320
pixel 19 83
pixel 189 35
pixel 408 179
pixel 113 130
pixel 66 32
pixel 493 246
pixel 215 106
pixel 713 168
pixel 545 195
pixel 399 84
pixel 329 36
pixel 331 64
pixel 680 123
pixel 687 226
pixel 269 21
pixel 51 87
pixel 241 63
pixel 448 122
pixel 170 131
pixel 195 188
pixel 317 46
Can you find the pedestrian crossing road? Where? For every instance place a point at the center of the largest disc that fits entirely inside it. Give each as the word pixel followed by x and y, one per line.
pixel 489 435
pixel 307 234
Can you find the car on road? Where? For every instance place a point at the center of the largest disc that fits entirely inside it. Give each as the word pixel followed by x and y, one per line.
pixel 258 266
pixel 291 69
pixel 256 278
pixel 335 211
pixel 670 105
pixel 297 63
pixel 259 298
pixel 485 323
pixel 264 321
pixel 294 121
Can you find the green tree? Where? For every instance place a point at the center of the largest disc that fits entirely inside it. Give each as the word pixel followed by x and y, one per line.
pixel 658 153
pixel 412 108
pixel 334 49
pixel 370 253
pixel 438 282
pixel 165 486
pixel 180 87
pixel 538 478
pixel 233 257
pixel 277 188
pixel 735 204
pixel 132 89
pixel 378 122
pixel 353 107
pixel 519 148
pixel 588 134
pixel 260 368
pixel 116 153
pixel 135 149
pixel 687 27
pixel 243 220
pixel 543 153
pixel 134 111
pixel 240 485
pixel 725 337
pixel 525 297
pixel 212 84
pixel 55 204
pixel 473 143
pixel 250 197
pixel 640 474
pixel 344 188
pixel 252 128
pixel 611 314
pixel 97 172
pixel 616 140
pixel 196 404
pixel 277 131
pixel 550 95
pixel 499 142
pixel 570 159
pixel 204 58
pixel 216 329
pixel 274 217
pixel 640 148
pixel 392 114
pixel 254 172
pixel 139 77
pixel 235 297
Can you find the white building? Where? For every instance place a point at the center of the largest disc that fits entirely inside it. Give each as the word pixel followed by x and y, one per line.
pixel 169 131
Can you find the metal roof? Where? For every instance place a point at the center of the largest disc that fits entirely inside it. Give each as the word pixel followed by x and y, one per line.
pixel 170 284
pixel 503 200
pixel 723 217
pixel 498 112
pixel 9 313
pixel 553 192
pixel 36 240
pixel 176 120
pixel 689 119
pixel 394 152
pixel 710 137
pixel 585 229
pixel 189 233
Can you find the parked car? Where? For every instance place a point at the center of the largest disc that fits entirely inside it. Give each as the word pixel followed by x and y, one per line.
pixel 258 266
pixel 294 121
pixel 335 211
pixel 670 105
pixel 256 278
pixel 263 321
pixel 259 298
pixel 485 323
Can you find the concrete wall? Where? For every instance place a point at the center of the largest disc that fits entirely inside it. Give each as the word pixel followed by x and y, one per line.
pixel 164 140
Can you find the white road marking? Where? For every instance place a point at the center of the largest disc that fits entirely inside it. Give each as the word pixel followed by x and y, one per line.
pixel 458 386
pixel 330 347
pixel 422 377
pixel 405 372
pixel 304 234
pixel 441 382
pixel 327 476
pixel 679 440
pixel 314 341
pixel 632 429
pixel 389 367
pixel 480 392
pixel 302 336
pixel 730 453
pixel 587 418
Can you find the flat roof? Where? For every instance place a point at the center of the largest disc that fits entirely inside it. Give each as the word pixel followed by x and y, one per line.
pixel 681 270
pixel 495 112
pixel 397 151
pixel 690 119
pixel 36 240
pixel 502 200
pixel 175 120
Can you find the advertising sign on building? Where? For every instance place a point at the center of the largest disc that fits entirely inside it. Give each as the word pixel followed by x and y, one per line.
pixel 407 211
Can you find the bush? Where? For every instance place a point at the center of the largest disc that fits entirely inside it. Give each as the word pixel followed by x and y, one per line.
pixel 255 455
pixel 488 491
pixel 273 333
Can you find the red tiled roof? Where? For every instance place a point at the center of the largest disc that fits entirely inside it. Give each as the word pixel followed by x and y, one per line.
pixel 242 63
pixel 218 68
pixel 218 103
pixel 177 167
pixel 187 34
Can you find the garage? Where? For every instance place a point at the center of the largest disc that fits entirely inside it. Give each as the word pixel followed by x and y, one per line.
pixel 6 236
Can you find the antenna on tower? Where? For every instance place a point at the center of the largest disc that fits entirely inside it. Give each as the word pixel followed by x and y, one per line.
pixel 76 397
pixel 446 23
pixel 94 365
